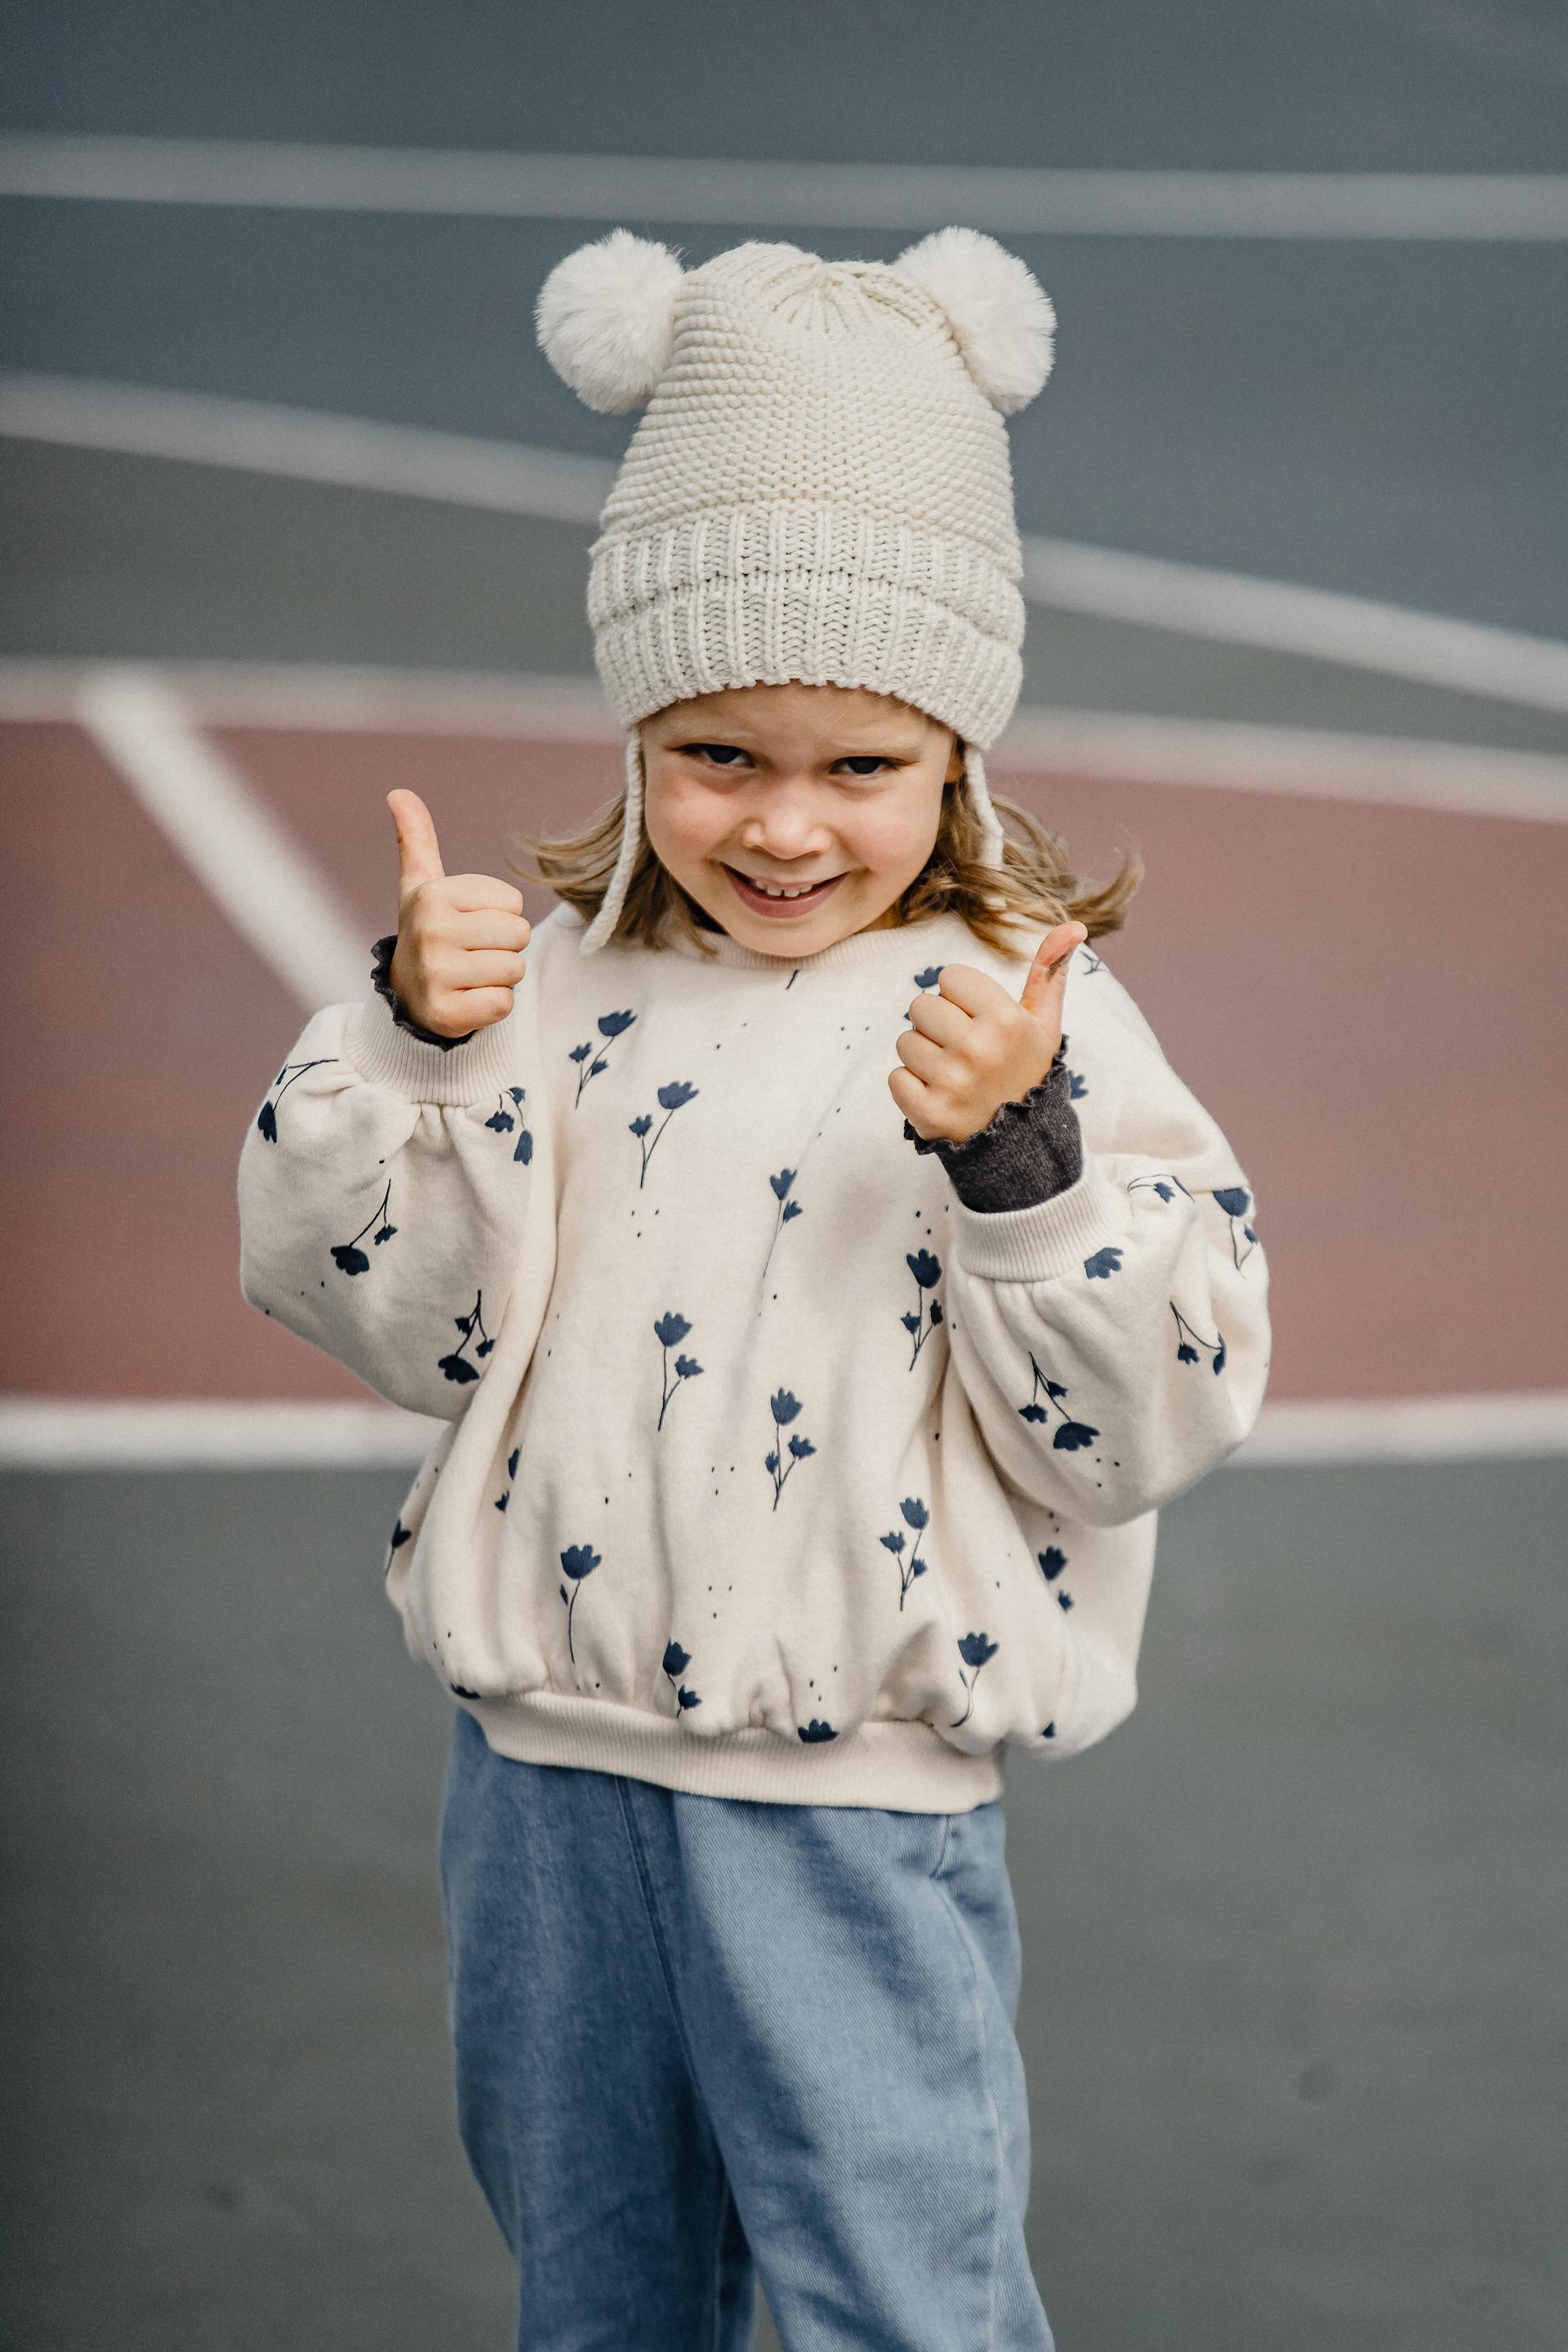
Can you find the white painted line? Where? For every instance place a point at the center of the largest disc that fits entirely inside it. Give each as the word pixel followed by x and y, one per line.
pixel 1376 771
pixel 234 844
pixel 501 478
pixel 708 191
pixel 1307 763
pixel 121 1434
pixel 1409 1429
pixel 347 698
pixel 93 1433
pixel 413 461
pixel 1316 623
pixel 303 445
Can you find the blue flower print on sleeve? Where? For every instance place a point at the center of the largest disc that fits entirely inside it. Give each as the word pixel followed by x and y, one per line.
pixel 926 978
pixel 676 1660
pixel 916 1515
pixel 579 1560
pixel 1235 1200
pixel 1189 1342
pixel 787 1208
pixel 589 1060
pixel 785 1407
pixel 926 1267
pixel 347 1257
pixel 504 1497
pixel 501 1122
pixel 1077 1085
pixel 814 1730
pixel 974 1649
pixel 457 1366
pixel 670 1332
pixel 1070 1434
pixel 1165 1185
pixel 929 978
pixel 267 1116
pixel 670 1098
pixel 1052 1559
pixel 1103 1264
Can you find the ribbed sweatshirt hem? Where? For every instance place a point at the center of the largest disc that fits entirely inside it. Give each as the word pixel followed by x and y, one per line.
pixel 894 1767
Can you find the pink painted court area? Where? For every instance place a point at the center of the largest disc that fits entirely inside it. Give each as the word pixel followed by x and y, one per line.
pixel 1369 999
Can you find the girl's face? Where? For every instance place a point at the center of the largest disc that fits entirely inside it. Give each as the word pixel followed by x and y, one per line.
pixel 827 786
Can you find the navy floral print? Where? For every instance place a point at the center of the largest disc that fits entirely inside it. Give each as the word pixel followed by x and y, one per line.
pixel 458 1367
pixel 1103 1265
pixel 787 1208
pixel 1069 1434
pixel 589 1060
pixel 347 1257
pixel 917 1516
pixel 267 1116
pixel 670 1332
pixel 579 1560
pixel 1235 1201
pixel 974 1649
pixel 1189 1343
pixel 1166 1185
pixel 676 1660
pixel 1052 1559
pixel 926 1267
pixel 670 1098
pixel 784 1407
pixel 504 1497
pixel 813 1731
pixel 501 1122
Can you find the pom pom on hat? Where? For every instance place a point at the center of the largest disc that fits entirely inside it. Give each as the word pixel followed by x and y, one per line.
pixel 998 310
pixel 606 318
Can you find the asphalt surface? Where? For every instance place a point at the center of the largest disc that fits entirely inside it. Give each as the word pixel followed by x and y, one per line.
pixel 1293 2011
pixel 1293 2002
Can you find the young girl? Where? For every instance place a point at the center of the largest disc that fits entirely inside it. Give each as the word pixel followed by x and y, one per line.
pixel 816 1345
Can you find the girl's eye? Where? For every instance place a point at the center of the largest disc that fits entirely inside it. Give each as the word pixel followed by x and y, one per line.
pixel 864 763
pixel 723 755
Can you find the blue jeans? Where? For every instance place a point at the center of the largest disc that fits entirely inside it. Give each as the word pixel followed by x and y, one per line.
pixel 697 2038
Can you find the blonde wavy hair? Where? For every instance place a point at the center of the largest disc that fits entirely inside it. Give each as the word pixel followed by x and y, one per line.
pixel 1035 882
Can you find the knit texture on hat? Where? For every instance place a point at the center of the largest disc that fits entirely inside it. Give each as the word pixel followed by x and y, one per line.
pixel 821 488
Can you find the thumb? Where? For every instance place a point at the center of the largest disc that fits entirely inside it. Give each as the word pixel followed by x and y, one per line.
pixel 419 851
pixel 1048 971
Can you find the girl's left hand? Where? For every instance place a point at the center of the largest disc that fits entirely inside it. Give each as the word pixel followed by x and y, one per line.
pixel 973 1047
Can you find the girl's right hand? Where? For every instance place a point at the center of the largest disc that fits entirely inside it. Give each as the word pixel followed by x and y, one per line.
pixel 460 936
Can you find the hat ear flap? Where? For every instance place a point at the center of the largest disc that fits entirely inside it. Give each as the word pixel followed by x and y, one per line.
pixel 1000 314
pixel 606 318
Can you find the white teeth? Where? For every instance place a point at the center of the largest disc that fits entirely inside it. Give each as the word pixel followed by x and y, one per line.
pixel 803 891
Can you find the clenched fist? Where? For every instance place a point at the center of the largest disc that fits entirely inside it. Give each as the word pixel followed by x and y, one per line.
pixel 460 936
pixel 973 1047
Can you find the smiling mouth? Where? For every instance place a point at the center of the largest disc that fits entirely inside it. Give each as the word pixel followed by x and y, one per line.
pixel 775 902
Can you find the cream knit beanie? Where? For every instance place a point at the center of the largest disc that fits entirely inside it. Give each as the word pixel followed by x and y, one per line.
pixel 821 488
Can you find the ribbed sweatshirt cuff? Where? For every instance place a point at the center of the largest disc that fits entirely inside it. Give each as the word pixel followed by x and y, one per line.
pixel 1052 1237
pixel 388 1057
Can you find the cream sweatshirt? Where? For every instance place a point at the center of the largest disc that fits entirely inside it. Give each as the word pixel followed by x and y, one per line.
pixel 771 1468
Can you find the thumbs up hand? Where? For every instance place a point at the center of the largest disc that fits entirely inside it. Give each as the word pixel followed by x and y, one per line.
pixel 460 936
pixel 973 1047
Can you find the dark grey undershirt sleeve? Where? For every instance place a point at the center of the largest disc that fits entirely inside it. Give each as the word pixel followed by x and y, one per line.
pixel 1030 1150
pixel 380 975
